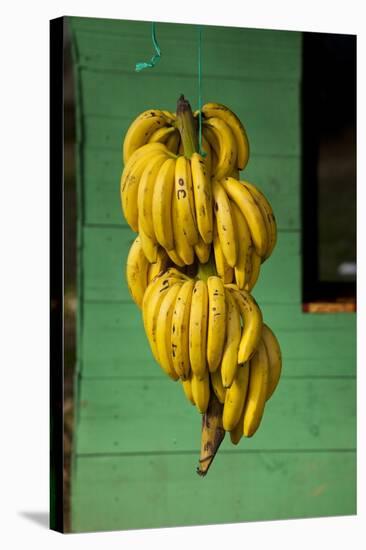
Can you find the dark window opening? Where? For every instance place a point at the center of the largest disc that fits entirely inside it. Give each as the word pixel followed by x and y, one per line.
pixel 328 168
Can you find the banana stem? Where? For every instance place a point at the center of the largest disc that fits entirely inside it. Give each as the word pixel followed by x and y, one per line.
pixel 187 127
pixel 206 270
pixel 212 434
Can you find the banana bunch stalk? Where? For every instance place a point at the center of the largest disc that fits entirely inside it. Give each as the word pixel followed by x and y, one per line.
pixel 202 237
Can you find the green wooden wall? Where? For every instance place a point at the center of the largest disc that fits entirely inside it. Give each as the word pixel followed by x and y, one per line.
pixel 137 439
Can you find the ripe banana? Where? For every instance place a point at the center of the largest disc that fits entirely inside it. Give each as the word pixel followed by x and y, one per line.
pixel 202 251
pixel 225 224
pixel 161 135
pixel 201 391
pixel 243 266
pixel 141 130
pixel 255 269
pixel 267 214
pixel 181 245
pixel 239 194
pixel 130 181
pixel 159 266
pixel 180 330
pixel 226 151
pixel 187 388
pixel 235 398
pixel 185 199
pixel 221 111
pixel 222 267
pixel 163 324
pixel 150 307
pixel 161 204
pixel 216 330
pixel 217 385
pixel 198 330
pixel 237 432
pixel 208 158
pixel 175 258
pixel 202 197
pixel 145 194
pixel 257 391
pixel 136 272
pixel 149 246
pixel 252 323
pixel 274 359
pixel 229 364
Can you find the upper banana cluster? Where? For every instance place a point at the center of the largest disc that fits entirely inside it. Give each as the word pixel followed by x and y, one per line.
pixel 188 203
pixel 202 237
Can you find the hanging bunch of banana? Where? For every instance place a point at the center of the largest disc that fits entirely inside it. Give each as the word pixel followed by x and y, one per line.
pixel 202 237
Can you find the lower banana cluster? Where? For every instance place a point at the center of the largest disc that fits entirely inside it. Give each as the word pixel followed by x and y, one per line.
pixel 211 337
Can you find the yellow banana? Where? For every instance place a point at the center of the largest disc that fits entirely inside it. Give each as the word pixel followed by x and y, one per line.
pixel 225 224
pixel 229 362
pixel 274 359
pixel 257 391
pixel 130 181
pixel 268 216
pixel 227 150
pixel 141 130
pixel 235 398
pixel 136 271
pixel 170 115
pixel 185 199
pixel 202 197
pixel 173 142
pixel 213 144
pixel 237 432
pixel 181 245
pixel 201 391
pixel 175 258
pixel 145 194
pixel 222 267
pixel 252 323
pixel 180 330
pixel 239 194
pixel 149 246
pixel 159 266
pixel 202 251
pixel 187 388
pixel 255 269
pixel 241 138
pixel 243 267
pixel 153 297
pixel 198 329
pixel 163 191
pixel 163 324
pixel 208 158
pixel 216 330
pixel 161 135
pixel 218 388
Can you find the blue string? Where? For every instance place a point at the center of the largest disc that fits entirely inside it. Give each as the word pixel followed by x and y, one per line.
pixel 150 64
pixel 201 151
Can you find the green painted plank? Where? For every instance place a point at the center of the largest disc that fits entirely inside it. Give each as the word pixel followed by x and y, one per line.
pixel 137 416
pixel 114 339
pixel 104 258
pixel 249 54
pixel 268 109
pixel 277 177
pixel 134 492
pixel 265 38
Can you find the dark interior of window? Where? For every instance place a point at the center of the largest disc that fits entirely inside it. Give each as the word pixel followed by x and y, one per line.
pixel 329 167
